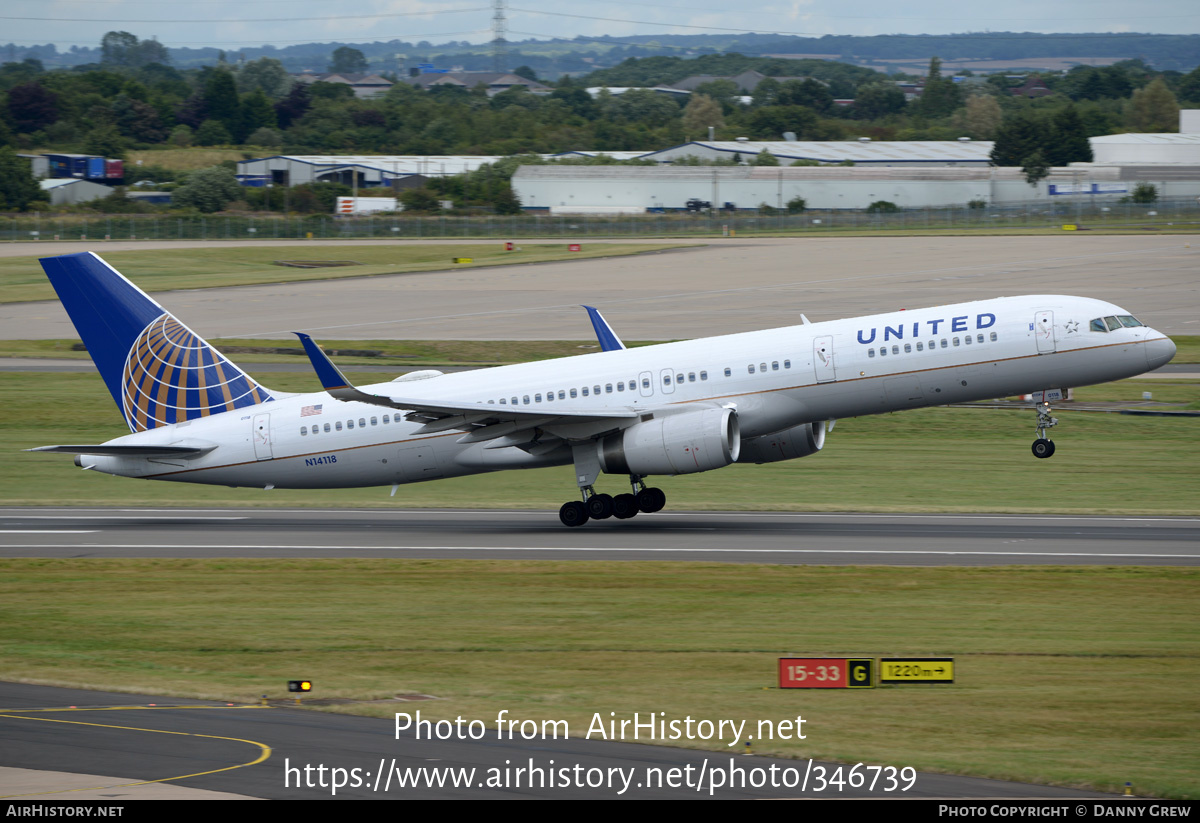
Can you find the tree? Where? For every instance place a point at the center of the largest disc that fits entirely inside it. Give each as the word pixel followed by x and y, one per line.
pixel 701 113
pixel 118 48
pixel 796 204
pixel 32 106
pixel 941 95
pixel 105 141
pixel 17 187
pixel 526 72
pixel 420 200
pixel 1144 193
pixel 1189 86
pixel 221 102
pixel 1068 139
pixel 807 92
pixel 875 100
pixel 347 60
pixel 265 74
pixel 208 189
pixel 1020 135
pixel 1035 167
pixel 213 133
pixel 983 117
pixel 1153 109
pixel 765 158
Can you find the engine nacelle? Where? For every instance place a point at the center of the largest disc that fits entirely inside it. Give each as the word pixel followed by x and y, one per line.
pixel 695 441
pixel 798 441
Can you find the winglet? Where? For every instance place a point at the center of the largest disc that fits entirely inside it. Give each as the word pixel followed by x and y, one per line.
pixel 604 333
pixel 330 376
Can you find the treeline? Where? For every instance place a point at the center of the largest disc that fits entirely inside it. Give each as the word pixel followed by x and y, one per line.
pixel 127 103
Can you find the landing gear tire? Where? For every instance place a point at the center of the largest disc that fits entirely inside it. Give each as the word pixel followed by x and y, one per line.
pixel 573 514
pixel 1043 448
pixel 600 506
pixel 651 500
pixel 625 506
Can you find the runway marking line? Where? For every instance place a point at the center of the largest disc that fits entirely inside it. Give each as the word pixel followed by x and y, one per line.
pixel 16 714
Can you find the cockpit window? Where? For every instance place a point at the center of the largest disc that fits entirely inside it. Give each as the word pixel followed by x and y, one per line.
pixel 1098 325
pixel 1129 321
pixel 1113 323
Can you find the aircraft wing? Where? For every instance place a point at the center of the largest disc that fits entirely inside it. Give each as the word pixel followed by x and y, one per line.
pixel 480 421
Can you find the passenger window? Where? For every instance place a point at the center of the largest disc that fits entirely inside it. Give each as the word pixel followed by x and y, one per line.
pixel 562 395
pixel 787 364
pixel 608 388
pixel 679 378
pixel 750 368
pixel 895 349
pixel 762 367
pixel 979 338
pixel 967 339
pixel 956 341
pixel 920 347
pixel 349 424
pixel 691 377
pixel 585 391
pixel 374 421
pixel 575 394
pixel 908 348
pixel 728 373
pixel 595 389
pixel 537 398
pixel 944 343
pixel 503 402
pixel 883 351
pixel 525 399
pixel 645 382
pixel 870 352
pixel 621 385
pixel 514 401
pixel 327 427
pixel 774 365
pixel 703 375
pixel 993 337
pixel 666 379
pixel 303 430
pixel 362 422
pixel 385 419
pixel 338 425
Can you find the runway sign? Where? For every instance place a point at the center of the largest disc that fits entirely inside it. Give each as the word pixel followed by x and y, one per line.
pixel 826 673
pixel 916 670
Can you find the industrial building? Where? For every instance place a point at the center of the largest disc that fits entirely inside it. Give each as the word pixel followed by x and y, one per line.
pixel 370 170
pixel 861 152
pixel 629 189
pixel 68 191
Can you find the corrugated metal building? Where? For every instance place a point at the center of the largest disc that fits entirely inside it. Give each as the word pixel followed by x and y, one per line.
pixel 371 170
pixel 860 152
pixel 65 191
pixel 584 189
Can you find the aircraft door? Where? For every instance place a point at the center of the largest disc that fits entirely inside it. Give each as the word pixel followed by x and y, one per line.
pixel 261 434
pixel 1043 330
pixel 646 383
pixel 823 359
pixel 667 378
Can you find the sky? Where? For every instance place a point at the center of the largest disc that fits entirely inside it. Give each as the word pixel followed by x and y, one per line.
pixel 234 23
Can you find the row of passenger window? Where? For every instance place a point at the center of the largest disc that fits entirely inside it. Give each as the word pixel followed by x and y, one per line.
pixel 933 344
pixel 609 388
pixel 337 425
pixel 762 367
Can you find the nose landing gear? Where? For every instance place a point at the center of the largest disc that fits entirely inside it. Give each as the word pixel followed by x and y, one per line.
pixel 1044 447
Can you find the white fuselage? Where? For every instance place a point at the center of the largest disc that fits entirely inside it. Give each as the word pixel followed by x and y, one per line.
pixel 775 379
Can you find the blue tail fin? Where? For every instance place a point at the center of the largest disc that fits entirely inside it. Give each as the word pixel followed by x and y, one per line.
pixel 157 370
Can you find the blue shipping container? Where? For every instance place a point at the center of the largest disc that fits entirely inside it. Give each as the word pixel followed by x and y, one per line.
pixel 95 168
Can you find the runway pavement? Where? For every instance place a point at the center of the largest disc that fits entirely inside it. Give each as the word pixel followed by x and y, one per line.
pixel 729 537
pixel 252 751
pixel 724 287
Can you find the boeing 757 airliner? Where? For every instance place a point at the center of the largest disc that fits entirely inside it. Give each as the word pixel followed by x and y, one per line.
pixel 675 408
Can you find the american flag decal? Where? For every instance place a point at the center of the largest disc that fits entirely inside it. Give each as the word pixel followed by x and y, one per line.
pixel 309 411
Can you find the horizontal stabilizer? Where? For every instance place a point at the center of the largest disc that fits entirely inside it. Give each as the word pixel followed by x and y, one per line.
pixel 120 450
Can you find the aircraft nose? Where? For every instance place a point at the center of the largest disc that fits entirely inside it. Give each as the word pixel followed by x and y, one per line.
pixel 1159 352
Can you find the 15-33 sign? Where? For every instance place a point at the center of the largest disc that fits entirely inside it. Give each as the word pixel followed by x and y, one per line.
pixel 825 673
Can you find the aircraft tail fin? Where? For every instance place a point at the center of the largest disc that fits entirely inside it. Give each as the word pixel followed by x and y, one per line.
pixel 157 369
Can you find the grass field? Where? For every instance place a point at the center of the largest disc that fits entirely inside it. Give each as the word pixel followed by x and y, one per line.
pixel 1072 676
pixel 22 278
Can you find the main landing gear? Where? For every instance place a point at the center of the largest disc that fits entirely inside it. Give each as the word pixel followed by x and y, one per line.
pixel 602 506
pixel 1043 446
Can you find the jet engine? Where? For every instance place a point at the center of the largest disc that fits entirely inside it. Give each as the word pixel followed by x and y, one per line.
pixel 798 441
pixel 694 441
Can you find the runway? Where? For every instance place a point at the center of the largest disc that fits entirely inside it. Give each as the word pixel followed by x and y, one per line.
pixel 252 751
pixel 725 537
pixel 722 287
